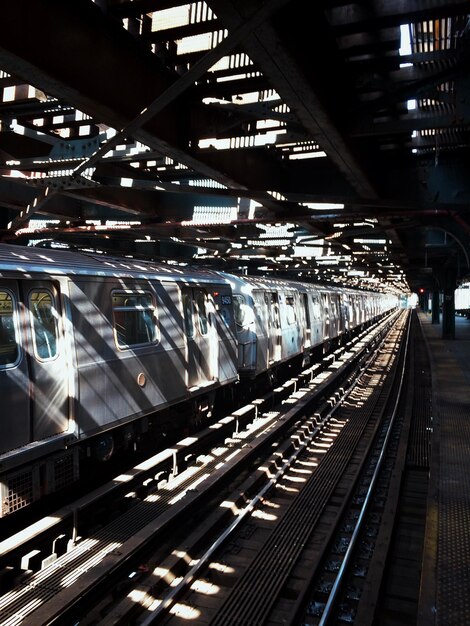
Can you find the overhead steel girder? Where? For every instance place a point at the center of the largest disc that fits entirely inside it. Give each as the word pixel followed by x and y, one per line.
pixel 79 63
pixel 354 18
pixel 267 50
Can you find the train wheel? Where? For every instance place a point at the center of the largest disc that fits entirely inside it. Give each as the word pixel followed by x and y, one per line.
pixel 102 448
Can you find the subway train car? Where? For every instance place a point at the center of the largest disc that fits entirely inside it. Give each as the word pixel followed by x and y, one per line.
pixel 98 354
pixel 91 349
pixel 281 321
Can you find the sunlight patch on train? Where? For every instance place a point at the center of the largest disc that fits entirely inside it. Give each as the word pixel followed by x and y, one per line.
pixel 94 378
pixel 92 363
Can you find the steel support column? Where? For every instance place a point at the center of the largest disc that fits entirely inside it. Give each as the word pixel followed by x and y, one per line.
pixel 448 304
pixel 435 306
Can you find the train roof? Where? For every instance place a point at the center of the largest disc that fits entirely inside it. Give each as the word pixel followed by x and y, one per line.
pixel 74 263
pixel 269 282
pixel 65 262
pixel 258 282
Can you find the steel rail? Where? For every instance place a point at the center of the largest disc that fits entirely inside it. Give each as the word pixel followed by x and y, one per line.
pixel 172 595
pixel 337 585
pixel 360 347
pixel 163 604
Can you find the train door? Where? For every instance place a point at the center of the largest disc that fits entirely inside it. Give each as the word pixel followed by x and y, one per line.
pixel 326 316
pixel 15 425
pixel 274 327
pixel 33 364
pixel 317 323
pixel 335 327
pixel 48 362
pixel 198 336
pixel 305 321
pixel 345 312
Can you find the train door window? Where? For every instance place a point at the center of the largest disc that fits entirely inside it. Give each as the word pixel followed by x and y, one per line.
pixel 226 302
pixel 259 308
pixel 276 320
pixel 200 297
pixel 316 308
pixel 334 307
pixel 134 318
pixel 326 315
pixel 290 310
pixel 305 310
pixel 9 350
pixel 188 313
pixel 44 323
pixel 346 311
pixel 196 317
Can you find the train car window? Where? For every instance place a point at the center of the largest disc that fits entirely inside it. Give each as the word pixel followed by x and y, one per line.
pixel 226 301
pixel 201 297
pixel 244 314
pixel 239 310
pixel 188 313
pixel 44 323
pixel 9 350
pixel 134 318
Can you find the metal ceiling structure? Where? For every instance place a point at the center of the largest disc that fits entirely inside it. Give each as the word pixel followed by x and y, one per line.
pixel 322 141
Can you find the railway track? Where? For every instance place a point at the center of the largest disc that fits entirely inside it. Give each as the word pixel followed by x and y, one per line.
pixel 315 496
pixel 161 493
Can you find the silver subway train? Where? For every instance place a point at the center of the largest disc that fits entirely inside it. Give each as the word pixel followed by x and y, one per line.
pixel 98 354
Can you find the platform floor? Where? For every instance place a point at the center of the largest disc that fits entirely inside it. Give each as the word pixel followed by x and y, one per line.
pixel 445 592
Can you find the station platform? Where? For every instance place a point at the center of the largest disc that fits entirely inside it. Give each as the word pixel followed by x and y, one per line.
pixel 445 581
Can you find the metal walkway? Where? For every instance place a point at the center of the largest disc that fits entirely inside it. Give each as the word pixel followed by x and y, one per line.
pixel 445 589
